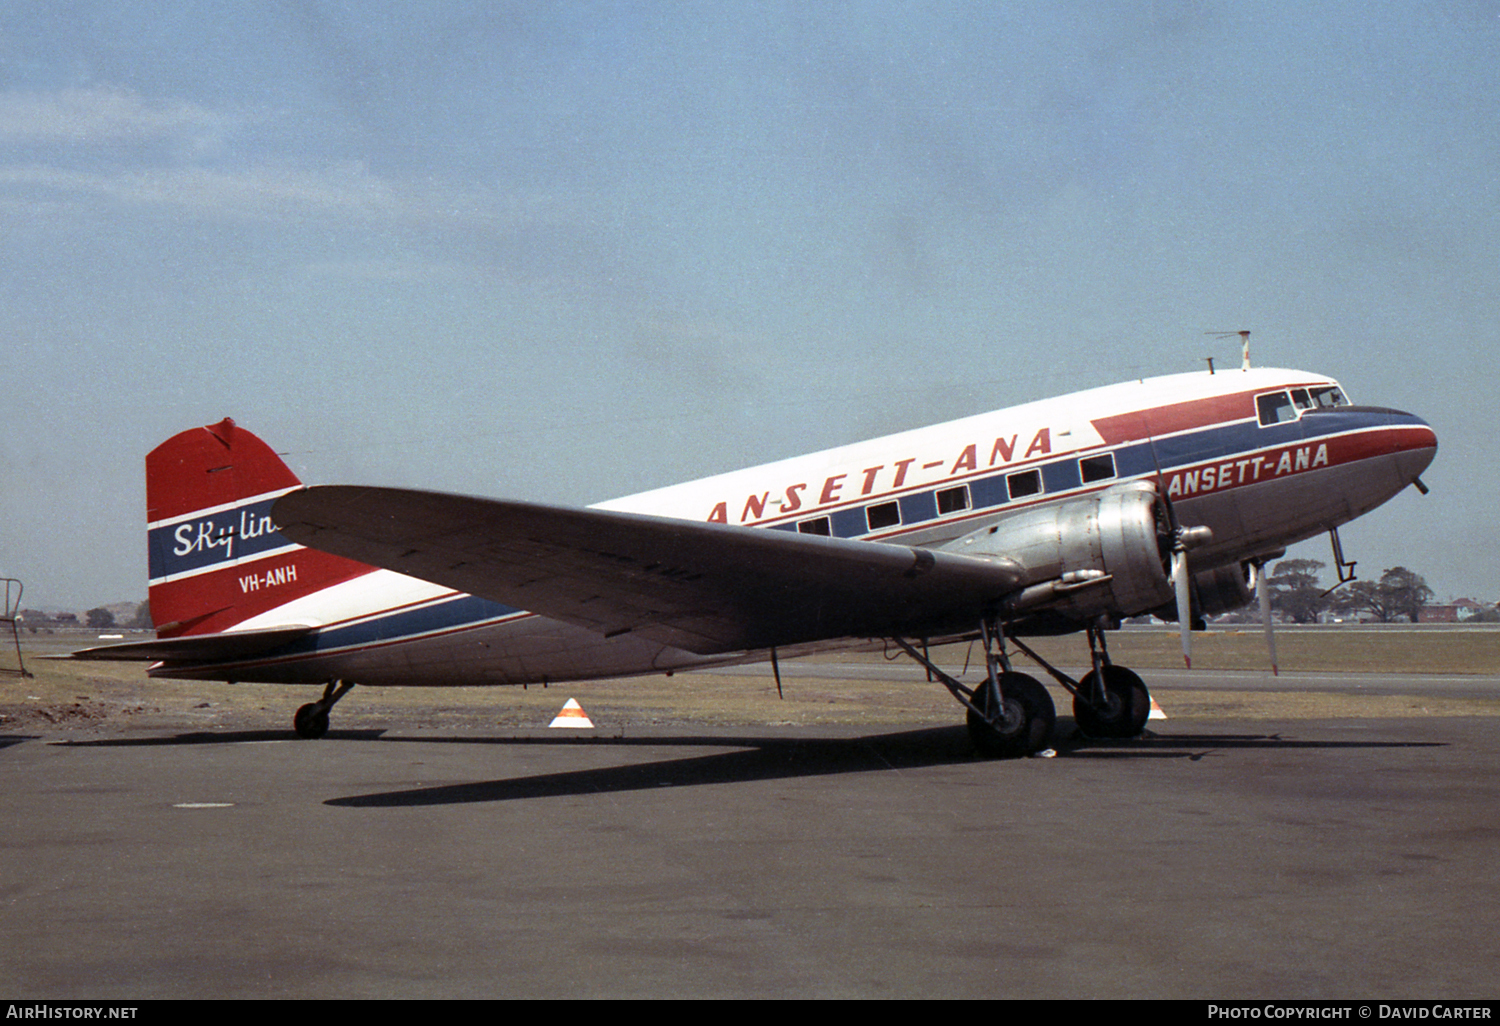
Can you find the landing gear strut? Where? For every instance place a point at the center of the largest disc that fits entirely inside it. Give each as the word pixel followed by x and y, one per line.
pixel 311 720
pixel 1010 714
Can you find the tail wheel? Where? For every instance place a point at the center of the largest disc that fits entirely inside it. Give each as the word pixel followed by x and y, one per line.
pixel 1021 726
pixel 1120 711
pixel 311 721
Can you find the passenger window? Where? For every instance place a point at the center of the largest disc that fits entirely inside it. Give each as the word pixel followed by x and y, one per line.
pixel 1097 468
pixel 1275 408
pixel 953 500
pixel 1028 482
pixel 886 514
pixel 820 525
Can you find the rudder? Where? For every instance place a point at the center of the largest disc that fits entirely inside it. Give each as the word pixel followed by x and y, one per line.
pixel 216 558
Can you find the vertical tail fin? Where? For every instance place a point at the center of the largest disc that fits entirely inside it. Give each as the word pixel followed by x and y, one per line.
pixel 216 558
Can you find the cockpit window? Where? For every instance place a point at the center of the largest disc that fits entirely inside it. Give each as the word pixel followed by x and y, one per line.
pixel 1281 407
pixel 1329 397
pixel 1275 408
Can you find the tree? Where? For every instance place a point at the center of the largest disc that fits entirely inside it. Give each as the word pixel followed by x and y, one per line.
pixel 1399 592
pixel 100 618
pixel 1295 591
pixel 1407 592
pixel 1362 597
pixel 142 617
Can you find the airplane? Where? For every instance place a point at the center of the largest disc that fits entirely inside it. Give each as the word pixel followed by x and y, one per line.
pixel 1165 495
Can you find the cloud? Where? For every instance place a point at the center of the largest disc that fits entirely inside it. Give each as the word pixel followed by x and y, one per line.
pixel 279 192
pixel 101 115
pixel 264 192
pixel 98 142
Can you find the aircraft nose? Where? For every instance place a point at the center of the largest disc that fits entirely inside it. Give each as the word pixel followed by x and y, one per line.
pixel 1415 448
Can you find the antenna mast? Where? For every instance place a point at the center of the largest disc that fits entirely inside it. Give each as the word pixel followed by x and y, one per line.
pixel 1244 347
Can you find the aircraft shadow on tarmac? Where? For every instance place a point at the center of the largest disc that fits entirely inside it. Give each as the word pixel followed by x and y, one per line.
pixel 750 759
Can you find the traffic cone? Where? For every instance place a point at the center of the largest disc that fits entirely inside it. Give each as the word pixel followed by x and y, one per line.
pixel 572 715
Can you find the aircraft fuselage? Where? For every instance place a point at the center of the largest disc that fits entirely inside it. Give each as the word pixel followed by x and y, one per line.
pixel 1262 458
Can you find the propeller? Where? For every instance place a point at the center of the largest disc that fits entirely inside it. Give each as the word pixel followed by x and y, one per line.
pixel 1183 539
pixel 1263 592
pixel 1182 584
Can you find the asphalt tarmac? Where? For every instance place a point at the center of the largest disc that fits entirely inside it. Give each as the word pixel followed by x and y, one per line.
pixel 1241 859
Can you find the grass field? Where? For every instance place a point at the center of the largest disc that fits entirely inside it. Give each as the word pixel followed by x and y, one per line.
pixel 1423 649
pixel 69 696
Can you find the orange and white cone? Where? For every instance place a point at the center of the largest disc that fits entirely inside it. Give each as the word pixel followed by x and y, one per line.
pixel 572 715
pixel 1156 711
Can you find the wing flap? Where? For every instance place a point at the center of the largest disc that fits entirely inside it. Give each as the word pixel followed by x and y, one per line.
pixel 703 587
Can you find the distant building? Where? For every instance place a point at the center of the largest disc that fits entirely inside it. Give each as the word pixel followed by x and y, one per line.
pixel 1457 611
pixel 36 618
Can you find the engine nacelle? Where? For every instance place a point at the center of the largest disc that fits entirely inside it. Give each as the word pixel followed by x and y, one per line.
pixel 1220 590
pixel 1097 554
pixel 1224 589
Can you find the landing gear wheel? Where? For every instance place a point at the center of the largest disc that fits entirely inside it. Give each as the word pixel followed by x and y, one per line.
pixel 1125 706
pixel 1025 721
pixel 311 721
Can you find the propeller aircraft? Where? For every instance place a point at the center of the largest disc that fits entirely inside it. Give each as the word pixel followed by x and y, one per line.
pixel 1165 495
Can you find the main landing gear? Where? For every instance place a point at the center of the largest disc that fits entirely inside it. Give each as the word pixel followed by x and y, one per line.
pixel 1011 714
pixel 311 720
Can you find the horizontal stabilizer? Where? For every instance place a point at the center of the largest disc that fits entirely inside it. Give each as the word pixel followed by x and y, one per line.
pixel 703 587
pixel 195 648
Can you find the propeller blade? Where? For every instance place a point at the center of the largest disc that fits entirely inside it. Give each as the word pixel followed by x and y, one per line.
pixel 1263 592
pixel 1182 583
pixel 1184 538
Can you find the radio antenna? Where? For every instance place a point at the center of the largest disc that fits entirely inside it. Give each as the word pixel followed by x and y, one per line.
pixel 1244 346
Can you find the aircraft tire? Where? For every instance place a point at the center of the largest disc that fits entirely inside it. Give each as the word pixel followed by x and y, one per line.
pixel 1027 725
pixel 1129 705
pixel 310 722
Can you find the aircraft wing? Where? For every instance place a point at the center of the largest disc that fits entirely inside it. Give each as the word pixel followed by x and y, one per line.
pixel 707 588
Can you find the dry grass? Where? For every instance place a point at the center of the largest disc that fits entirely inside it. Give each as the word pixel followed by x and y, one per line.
pixel 66 696
pixel 1316 650
pixel 1305 650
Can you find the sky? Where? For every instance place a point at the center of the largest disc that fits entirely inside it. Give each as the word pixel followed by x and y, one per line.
pixel 567 251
